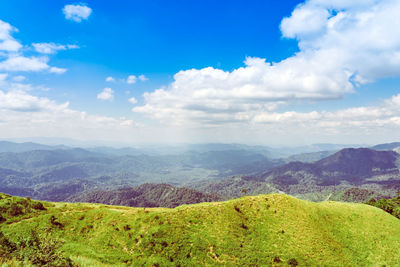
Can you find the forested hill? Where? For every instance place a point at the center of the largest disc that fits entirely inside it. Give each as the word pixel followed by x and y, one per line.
pixel 375 171
pixel 146 195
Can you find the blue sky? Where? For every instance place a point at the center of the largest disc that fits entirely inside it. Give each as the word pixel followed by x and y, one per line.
pixel 267 72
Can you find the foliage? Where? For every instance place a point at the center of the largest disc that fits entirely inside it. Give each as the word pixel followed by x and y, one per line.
pixel 40 250
pixel 146 195
pixel 391 206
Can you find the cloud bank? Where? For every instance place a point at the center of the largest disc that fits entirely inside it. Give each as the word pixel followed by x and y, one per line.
pixel 342 45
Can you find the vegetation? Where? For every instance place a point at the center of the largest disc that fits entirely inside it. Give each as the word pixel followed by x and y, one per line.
pixel 358 195
pixel 367 169
pixel 56 174
pixel 146 195
pixel 391 206
pixel 260 230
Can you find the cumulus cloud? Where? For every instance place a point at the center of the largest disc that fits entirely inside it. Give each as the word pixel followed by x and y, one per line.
pixel 343 44
pixel 110 79
pixel 14 59
pixel 29 64
pixel 21 63
pixel 131 79
pixel 57 70
pixel 142 78
pixel 132 100
pixel 22 101
pixel 77 13
pixel 51 48
pixel 7 42
pixel 106 94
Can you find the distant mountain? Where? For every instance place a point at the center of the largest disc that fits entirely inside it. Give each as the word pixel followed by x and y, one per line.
pixel 284 152
pixel 388 146
pixel 146 195
pixel 348 166
pixel 6 146
pixel 117 151
pixel 310 157
pixel 362 167
pixel 56 174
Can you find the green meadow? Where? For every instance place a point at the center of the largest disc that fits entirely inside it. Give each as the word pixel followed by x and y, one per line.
pixel 264 230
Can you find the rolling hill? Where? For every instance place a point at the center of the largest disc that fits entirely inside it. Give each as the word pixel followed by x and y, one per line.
pixel 261 230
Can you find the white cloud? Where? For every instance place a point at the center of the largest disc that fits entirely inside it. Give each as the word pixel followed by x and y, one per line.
pixel 142 78
pixel 110 79
pixel 132 100
pixel 20 63
pixel 57 70
pixel 23 102
pixel 77 13
pixel 34 64
pixel 26 115
pixel 19 78
pixel 51 48
pixel 131 79
pixel 3 77
pixel 7 42
pixel 342 45
pixel 106 94
pixel 14 60
pixel 127 123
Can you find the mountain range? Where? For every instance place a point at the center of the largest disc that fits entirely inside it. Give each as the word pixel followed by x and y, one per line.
pixel 60 173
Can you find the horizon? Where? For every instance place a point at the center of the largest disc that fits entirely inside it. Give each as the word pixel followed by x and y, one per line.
pixel 292 73
pixel 75 143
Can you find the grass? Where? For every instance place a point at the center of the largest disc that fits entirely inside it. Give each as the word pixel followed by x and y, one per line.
pixel 273 229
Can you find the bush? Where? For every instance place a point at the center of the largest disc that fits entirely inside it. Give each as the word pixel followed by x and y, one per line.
pixel 38 206
pixel 293 262
pixel 2 219
pixel 15 210
pixel 41 250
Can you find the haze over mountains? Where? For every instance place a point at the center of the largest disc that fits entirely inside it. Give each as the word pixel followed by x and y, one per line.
pixel 61 173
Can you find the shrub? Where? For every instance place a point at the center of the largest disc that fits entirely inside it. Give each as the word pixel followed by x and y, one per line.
pixel 38 206
pixel 293 262
pixel 54 222
pixel 15 210
pixel 41 250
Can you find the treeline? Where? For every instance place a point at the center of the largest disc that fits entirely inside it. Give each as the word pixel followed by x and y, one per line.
pixel 391 206
pixel 146 195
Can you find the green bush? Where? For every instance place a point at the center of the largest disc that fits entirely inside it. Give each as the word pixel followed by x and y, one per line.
pixel 41 250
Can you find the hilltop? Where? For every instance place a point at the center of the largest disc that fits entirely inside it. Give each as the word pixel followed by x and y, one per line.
pixel 273 229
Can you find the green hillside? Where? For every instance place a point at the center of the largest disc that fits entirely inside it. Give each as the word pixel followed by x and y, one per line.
pixel 273 229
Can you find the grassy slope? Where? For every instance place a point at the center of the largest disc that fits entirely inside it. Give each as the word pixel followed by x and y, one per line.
pixel 258 230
